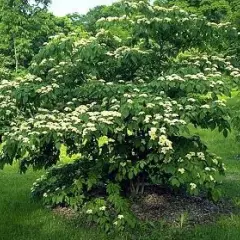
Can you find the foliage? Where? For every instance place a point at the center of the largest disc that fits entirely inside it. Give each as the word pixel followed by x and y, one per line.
pixel 24 27
pixel 123 99
pixel 88 21
pixel 213 10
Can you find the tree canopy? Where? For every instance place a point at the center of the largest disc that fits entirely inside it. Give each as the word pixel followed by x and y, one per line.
pixel 24 27
pixel 214 10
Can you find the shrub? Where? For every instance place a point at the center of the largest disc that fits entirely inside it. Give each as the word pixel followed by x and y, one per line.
pixel 123 100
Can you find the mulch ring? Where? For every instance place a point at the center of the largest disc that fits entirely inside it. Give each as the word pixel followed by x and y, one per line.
pixel 171 208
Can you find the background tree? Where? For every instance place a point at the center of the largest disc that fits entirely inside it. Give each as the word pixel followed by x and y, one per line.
pixel 215 11
pixel 24 27
pixel 90 18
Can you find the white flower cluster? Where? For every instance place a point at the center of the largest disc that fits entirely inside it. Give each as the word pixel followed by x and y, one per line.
pixel 89 211
pixel 47 89
pixel 61 123
pixel 124 51
pixel 7 85
pixel 205 106
pixel 170 9
pixel 173 77
pixel 214 66
pixel 199 155
pixel 165 143
pixel 198 76
pixel 153 133
pixel 8 109
pixel 193 186
pixel 221 103
pixel 181 170
pixel 113 19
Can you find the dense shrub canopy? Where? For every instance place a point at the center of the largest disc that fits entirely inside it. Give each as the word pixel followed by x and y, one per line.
pixel 122 100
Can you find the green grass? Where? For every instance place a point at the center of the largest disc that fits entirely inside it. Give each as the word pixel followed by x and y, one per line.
pixel 23 219
pixel 226 227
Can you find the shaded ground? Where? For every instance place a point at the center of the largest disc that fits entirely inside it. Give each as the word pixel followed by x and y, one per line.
pixel 174 209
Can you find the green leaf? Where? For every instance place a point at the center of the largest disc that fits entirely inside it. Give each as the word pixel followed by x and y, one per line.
pixel 225 133
pixel 58 145
pixel 216 194
pixel 123 164
pixel 175 182
pixel 130 175
pixel 103 141
pixel 129 132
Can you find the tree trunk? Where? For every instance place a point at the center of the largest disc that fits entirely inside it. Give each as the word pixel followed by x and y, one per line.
pixel 15 55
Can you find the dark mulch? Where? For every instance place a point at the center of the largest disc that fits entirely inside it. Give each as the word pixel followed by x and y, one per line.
pixel 171 208
pixel 162 205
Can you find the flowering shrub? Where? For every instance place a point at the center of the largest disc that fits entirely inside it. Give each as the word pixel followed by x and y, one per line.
pixel 123 100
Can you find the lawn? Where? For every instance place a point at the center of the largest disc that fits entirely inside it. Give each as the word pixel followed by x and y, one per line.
pixel 23 219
